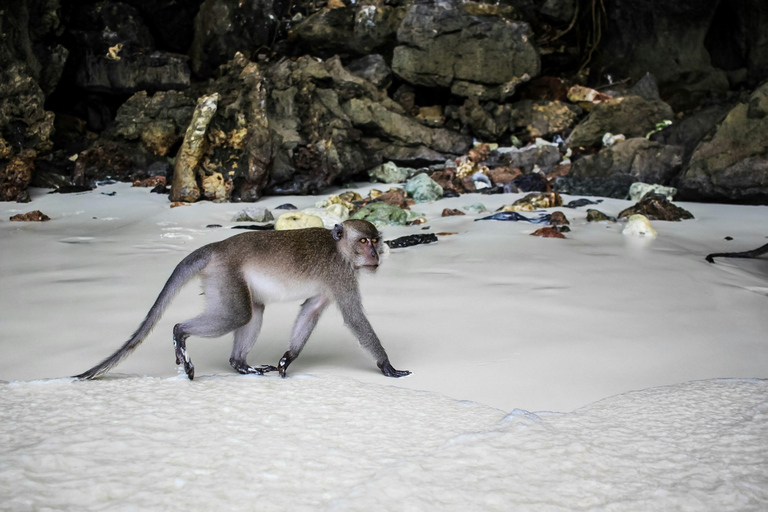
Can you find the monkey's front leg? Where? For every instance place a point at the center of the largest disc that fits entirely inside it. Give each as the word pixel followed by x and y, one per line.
pixel 302 328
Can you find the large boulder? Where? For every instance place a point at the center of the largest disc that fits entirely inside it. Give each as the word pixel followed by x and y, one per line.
pixel 666 39
pixel 632 116
pixel 443 45
pixel 644 160
pixel 731 164
pixel 355 29
pixel 115 53
pixel 221 30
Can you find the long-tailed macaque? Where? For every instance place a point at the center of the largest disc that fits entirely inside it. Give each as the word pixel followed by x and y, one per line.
pixel 245 272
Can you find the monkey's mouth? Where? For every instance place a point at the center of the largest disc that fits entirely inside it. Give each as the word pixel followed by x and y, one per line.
pixel 370 268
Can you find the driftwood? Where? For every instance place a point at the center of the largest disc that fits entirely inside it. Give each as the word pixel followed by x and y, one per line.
pixel 746 254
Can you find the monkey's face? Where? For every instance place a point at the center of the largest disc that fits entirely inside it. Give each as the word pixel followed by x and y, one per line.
pixel 360 243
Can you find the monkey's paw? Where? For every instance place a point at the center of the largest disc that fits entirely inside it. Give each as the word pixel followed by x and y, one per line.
pixel 387 369
pixel 245 369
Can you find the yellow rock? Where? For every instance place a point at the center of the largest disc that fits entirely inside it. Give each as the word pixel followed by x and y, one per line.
pixel 298 220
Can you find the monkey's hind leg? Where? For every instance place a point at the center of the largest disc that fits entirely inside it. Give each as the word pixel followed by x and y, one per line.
pixel 245 337
pixel 228 307
pixel 302 328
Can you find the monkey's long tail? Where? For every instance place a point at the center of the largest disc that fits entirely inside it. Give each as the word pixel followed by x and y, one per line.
pixel 182 274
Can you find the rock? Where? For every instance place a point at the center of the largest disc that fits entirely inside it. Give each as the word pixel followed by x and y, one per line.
pixel 632 116
pixel 330 215
pixel 431 116
pixel 576 203
pixel 33 216
pixel 692 129
pixel 442 45
pixel 410 240
pixel 220 29
pixel 297 220
pixel 543 118
pixel 448 181
pixel 502 175
pixel 558 219
pixel 598 216
pixel 641 159
pixel 639 225
pixel 533 202
pixel 388 172
pixel 548 233
pixel 532 182
pixel 646 88
pixel 476 208
pixel 286 206
pixel 356 29
pixel 448 212
pixel 543 157
pixel 16 175
pixel 487 122
pixel 656 207
pixel 382 214
pixel 372 68
pixel 732 163
pixel 638 190
pixel 216 188
pixel 423 189
pixel 154 181
pixel 158 121
pixel 114 52
pixel 253 214
pixel 610 139
pixel 184 186
pixel 615 185
pixel 586 97
pixel 104 160
pixel 669 43
pixel 396 197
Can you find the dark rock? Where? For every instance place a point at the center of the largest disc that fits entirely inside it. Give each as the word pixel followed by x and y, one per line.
pixel 732 163
pixel 646 88
pixel 16 175
pixel 115 52
pixel 656 207
pixel 256 227
pixel 503 175
pixel 549 88
pixel 158 121
pixel 448 212
pixel 667 40
pixel 286 206
pixel 548 233
pixel 641 159
pixel 582 202
pixel 616 186
pixel 443 45
pixel 692 129
pixel 161 189
pixel 72 189
pixel 488 122
pixel 631 116
pixel 372 68
pixel 543 118
pixel 409 240
pixel 533 182
pixel 356 29
pixel 545 157
pixel 223 27
pixel 33 216
pixel 104 160
pixel 558 219
pixel 598 216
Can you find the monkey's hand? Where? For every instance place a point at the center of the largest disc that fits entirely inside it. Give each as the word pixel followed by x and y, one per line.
pixel 387 369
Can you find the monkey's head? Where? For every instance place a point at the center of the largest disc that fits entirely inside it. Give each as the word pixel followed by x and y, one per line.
pixel 359 242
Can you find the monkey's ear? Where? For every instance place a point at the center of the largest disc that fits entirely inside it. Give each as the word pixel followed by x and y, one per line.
pixel 337 232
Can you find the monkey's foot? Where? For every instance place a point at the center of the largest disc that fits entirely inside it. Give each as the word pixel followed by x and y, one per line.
pixel 180 348
pixel 246 369
pixel 387 369
pixel 284 362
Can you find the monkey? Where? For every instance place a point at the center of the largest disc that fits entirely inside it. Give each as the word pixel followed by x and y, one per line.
pixel 244 273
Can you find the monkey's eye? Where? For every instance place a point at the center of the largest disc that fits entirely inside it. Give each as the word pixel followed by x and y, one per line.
pixel 374 240
pixel 363 240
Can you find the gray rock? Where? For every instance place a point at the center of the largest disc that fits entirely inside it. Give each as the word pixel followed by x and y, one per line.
pixel 632 116
pixel 442 45
pixel 639 158
pixel 423 189
pixel 388 172
pixel 253 214
pixel 372 68
pixel 732 164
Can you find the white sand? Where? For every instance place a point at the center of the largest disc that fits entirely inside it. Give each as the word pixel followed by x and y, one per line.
pixel 490 315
